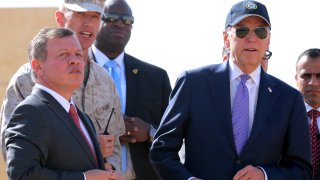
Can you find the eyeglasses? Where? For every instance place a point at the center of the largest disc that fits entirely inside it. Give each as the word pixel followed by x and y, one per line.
pixel 267 55
pixel 243 31
pixel 113 18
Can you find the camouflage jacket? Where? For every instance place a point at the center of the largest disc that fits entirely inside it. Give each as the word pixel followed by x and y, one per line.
pixel 97 98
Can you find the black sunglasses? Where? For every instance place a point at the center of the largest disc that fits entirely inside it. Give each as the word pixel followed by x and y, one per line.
pixel 267 55
pixel 243 31
pixel 113 18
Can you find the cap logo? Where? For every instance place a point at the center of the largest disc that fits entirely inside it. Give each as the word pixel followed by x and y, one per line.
pixel 251 5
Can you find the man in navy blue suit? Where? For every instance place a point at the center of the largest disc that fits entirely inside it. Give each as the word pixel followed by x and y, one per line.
pixel 238 122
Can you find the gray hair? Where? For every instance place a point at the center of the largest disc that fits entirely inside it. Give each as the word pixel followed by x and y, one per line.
pixel 37 48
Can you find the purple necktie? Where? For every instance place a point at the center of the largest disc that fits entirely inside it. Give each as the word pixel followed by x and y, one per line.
pixel 240 114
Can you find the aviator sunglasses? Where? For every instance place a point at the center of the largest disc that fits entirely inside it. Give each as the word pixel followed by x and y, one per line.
pixel 113 18
pixel 243 31
pixel 267 55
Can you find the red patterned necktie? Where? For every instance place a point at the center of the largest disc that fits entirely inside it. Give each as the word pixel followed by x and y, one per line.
pixel 315 143
pixel 74 115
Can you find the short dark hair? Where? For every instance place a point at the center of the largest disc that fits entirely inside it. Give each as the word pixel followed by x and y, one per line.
pixel 312 53
pixel 37 48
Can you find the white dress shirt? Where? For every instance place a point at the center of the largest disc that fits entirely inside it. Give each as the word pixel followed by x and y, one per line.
pixel 253 89
pixel 308 108
pixel 252 85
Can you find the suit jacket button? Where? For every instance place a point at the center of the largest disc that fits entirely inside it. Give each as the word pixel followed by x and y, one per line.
pixel 238 161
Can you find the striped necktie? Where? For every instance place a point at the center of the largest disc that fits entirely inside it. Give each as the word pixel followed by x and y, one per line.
pixel 240 114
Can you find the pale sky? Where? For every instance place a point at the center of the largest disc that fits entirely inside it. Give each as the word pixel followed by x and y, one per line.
pixel 184 34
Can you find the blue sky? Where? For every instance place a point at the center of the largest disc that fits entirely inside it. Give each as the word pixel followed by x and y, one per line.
pixel 184 34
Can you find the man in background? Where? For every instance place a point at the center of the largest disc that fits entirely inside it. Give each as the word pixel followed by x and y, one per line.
pixel 308 82
pixel 97 96
pixel 143 88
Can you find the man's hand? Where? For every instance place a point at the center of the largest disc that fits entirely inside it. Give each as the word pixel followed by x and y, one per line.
pixel 106 144
pixel 136 130
pixel 108 166
pixel 97 174
pixel 249 172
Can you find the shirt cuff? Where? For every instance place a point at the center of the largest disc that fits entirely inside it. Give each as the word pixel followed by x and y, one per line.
pixel 152 133
pixel 264 172
pixel 190 178
pixel 84 176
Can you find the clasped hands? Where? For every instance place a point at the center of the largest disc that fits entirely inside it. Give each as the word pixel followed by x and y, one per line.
pixel 249 172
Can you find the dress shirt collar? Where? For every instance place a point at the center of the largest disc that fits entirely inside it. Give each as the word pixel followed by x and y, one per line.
pixel 235 72
pixel 308 107
pixel 102 59
pixel 64 103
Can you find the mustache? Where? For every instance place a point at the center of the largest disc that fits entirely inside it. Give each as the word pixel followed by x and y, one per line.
pixel 76 70
pixel 312 88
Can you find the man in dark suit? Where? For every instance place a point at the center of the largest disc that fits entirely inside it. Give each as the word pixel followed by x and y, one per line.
pixel 143 88
pixel 97 96
pixel 42 140
pixel 238 122
pixel 308 82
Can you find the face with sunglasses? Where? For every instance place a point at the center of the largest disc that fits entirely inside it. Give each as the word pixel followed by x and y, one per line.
pixel 243 31
pixel 248 42
pixel 115 28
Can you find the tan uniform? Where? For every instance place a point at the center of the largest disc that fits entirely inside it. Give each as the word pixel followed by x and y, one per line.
pixel 97 99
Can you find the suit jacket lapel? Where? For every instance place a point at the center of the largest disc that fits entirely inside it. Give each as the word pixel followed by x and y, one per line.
pixel 267 98
pixel 132 83
pixel 66 120
pixel 219 85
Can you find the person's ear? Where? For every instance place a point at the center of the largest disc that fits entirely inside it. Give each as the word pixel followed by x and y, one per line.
pixel 36 66
pixel 269 40
pixel 60 19
pixel 296 77
pixel 226 39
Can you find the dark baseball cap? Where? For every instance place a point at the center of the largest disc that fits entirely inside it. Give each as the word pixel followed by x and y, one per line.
pixel 245 9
